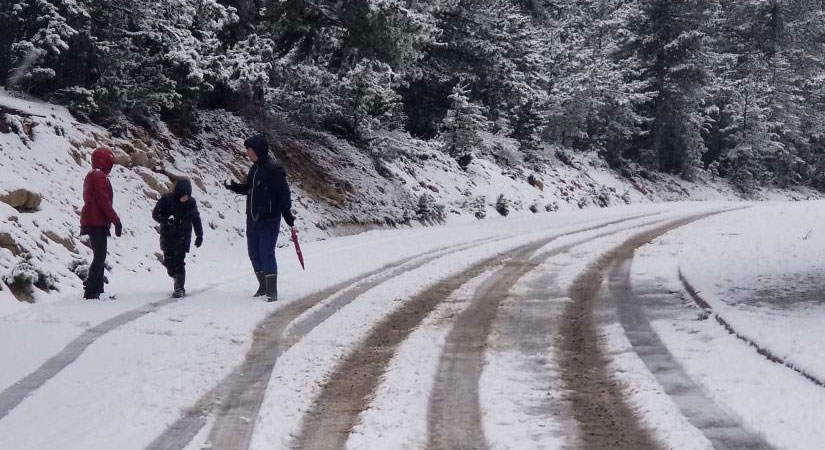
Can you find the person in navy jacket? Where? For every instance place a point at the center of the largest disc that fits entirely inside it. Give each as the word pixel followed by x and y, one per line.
pixel 268 199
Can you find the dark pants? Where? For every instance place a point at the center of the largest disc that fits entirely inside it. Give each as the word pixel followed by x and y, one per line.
pixel 175 263
pixel 261 237
pixel 99 238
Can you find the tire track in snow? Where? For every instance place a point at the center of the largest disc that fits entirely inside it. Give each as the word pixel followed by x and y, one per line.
pixel 350 388
pixel 526 331
pixel 724 431
pixel 455 411
pixel 598 402
pixel 12 396
pixel 235 401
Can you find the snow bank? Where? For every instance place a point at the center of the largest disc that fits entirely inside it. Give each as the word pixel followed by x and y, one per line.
pixel 760 269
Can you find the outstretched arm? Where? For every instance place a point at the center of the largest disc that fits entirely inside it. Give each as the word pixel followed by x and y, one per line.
pixel 238 188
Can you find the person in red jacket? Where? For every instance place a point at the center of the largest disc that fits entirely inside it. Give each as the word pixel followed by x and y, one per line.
pixel 97 217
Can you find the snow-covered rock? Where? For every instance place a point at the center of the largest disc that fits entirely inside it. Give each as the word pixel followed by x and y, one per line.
pixel 22 199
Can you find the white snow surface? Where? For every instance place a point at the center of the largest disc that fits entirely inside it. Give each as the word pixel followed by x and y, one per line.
pixel 759 268
pixel 137 378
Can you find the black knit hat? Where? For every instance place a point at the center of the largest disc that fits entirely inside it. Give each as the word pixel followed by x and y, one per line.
pixel 258 144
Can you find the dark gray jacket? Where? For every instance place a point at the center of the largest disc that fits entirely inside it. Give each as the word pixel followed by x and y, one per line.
pixel 177 219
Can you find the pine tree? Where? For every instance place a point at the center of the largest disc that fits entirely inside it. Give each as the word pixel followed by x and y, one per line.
pixel 670 45
pixel 39 35
pixel 598 85
pixel 765 115
pixel 499 48
pixel 503 205
pixel 367 99
pixel 106 57
pixel 463 124
pixel 159 59
pixel 246 69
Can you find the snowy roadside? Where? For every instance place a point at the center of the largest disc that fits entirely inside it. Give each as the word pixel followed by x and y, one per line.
pixel 764 281
pixel 767 281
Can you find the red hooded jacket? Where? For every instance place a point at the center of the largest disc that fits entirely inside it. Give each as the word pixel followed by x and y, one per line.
pixel 97 192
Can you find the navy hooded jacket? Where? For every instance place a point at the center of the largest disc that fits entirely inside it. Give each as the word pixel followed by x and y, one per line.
pixel 266 189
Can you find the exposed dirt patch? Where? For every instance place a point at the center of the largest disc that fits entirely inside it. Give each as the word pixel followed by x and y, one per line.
pixel 455 412
pixel 67 243
pixel 7 242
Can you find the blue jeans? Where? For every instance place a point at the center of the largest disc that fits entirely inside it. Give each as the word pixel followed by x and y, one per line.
pixel 261 237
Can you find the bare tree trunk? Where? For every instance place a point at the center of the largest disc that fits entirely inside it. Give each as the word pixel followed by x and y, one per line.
pixel 246 10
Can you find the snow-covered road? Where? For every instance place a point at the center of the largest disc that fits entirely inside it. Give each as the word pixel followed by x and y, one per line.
pixel 540 332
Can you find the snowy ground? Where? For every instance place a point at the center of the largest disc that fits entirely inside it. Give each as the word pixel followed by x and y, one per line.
pixel 142 371
pixel 760 271
pixel 136 378
pixel 130 382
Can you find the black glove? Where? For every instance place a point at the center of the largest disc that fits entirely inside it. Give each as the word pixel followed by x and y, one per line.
pixel 198 241
pixel 172 221
pixel 231 185
pixel 290 220
pixel 118 229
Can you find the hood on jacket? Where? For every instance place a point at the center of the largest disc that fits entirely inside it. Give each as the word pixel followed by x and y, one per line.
pixel 103 159
pixel 259 145
pixel 183 187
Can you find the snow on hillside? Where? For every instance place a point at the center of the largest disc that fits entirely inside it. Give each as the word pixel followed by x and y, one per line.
pixel 337 189
pixel 45 154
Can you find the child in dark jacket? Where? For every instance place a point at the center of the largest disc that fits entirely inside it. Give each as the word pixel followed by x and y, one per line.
pixel 177 214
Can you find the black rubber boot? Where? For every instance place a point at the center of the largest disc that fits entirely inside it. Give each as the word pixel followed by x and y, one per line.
pixel 91 292
pixel 180 281
pixel 272 287
pixel 261 285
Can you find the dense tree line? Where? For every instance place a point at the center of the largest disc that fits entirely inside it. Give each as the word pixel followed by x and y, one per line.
pixel 736 87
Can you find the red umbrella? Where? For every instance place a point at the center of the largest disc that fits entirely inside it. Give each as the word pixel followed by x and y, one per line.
pixel 298 247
